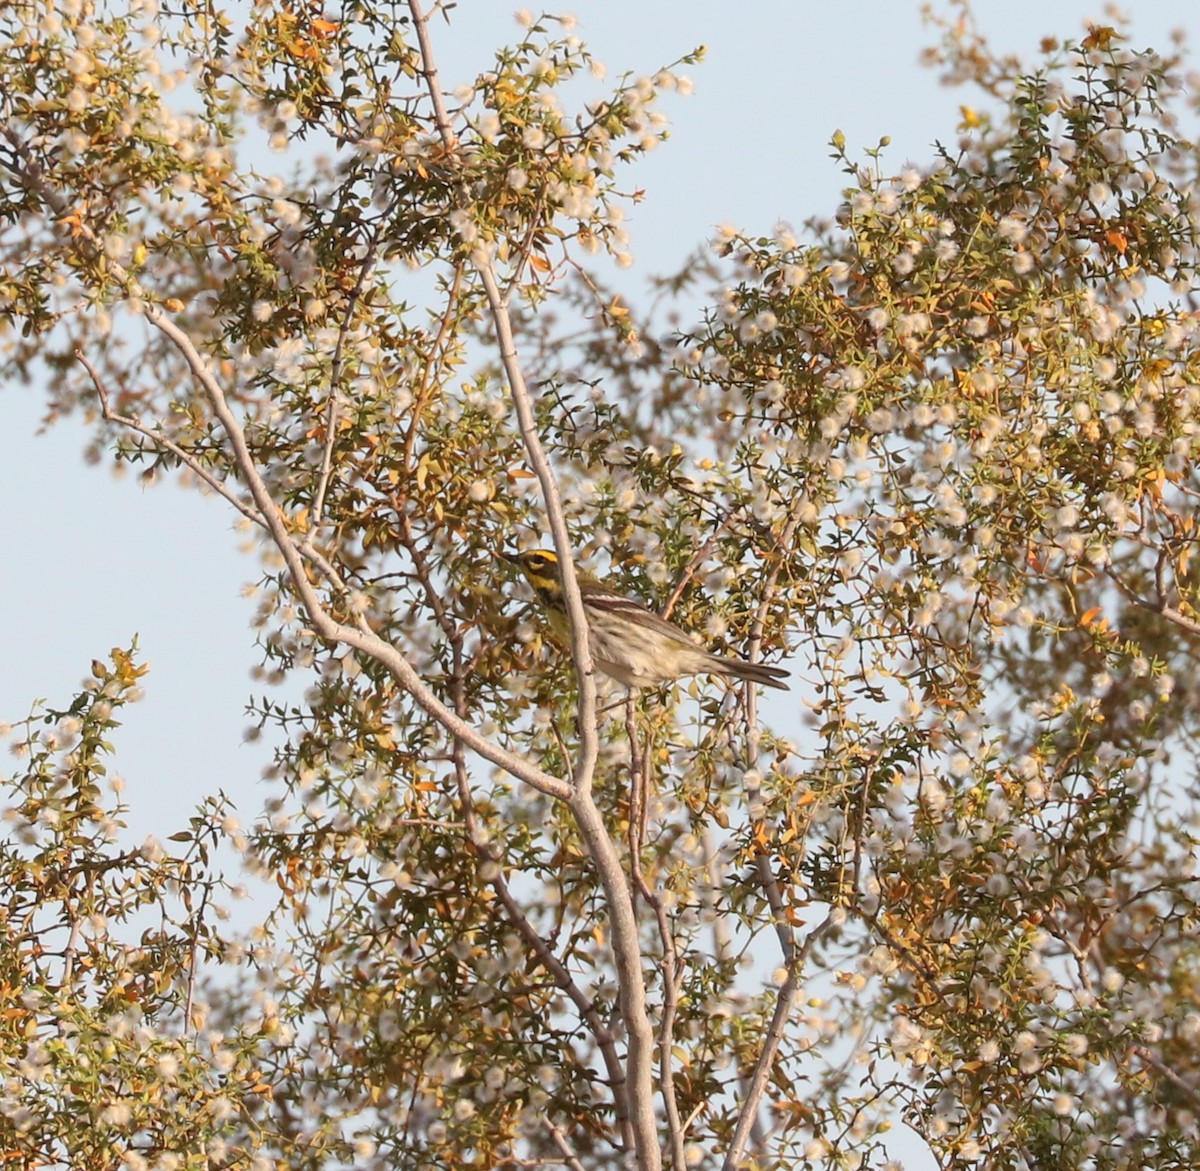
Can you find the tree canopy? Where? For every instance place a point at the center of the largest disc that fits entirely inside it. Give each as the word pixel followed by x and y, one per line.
pixel 937 453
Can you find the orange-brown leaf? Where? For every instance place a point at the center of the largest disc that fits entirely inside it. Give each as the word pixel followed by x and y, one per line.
pixel 1100 36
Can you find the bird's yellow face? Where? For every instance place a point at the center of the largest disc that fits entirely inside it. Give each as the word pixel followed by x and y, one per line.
pixel 540 567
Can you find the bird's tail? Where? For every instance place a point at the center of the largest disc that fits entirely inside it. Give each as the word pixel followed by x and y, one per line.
pixel 754 672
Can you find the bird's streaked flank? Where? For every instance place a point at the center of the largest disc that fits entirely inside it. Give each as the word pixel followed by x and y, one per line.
pixel 629 642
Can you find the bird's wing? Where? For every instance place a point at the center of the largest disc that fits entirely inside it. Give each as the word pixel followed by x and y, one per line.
pixel 614 603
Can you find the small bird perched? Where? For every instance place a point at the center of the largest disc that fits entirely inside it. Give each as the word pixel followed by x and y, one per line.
pixel 629 642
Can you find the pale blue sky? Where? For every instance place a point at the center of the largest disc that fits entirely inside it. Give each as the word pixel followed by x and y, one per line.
pixel 91 560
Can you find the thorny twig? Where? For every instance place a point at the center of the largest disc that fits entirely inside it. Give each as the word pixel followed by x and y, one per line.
pixel 159 440
pixel 335 371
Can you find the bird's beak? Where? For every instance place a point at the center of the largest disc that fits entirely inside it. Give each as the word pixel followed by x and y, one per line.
pixel 511 558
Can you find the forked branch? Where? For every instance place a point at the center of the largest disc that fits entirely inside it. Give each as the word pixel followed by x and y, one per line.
pixel 597 840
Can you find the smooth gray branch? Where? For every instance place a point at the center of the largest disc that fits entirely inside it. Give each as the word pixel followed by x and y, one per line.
pixel 598 842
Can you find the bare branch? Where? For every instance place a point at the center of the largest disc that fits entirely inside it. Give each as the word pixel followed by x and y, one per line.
pixel 335 376
pixel 671 983
pixel 597 841
pixel 1171 614
pixel 430 73
pixel 560 1141
pixel 631 983
pixel 581 652
pixel 359 637
pixel 757 1083
pixel 562 977
pixel 159 440
pixel 197 918
pixel 1165 1071
pixel 794 957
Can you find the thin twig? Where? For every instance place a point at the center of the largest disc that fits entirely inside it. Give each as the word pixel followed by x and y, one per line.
pixel 71 947
pixel 1158 607
pixel 1160 579
pixel 560 1141
pixel 581 653
pixel 757 1084
pixel 197 919
pixel 796 960
pixel 671 984
pixel 637 789
pixel 1165 1071
pixel 335 371
pixel 794 957
pixel 698 559
pixel 425 390
pixel 161 441
pixel 421 568
pixel 564 751
pixel 640 775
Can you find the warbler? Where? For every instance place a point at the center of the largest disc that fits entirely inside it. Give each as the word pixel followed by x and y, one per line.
pixel 629 642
